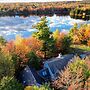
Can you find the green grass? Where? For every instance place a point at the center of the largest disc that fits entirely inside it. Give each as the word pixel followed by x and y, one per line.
pixel 82 47
pixel 78 49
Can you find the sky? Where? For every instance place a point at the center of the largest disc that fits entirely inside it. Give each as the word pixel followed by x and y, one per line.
pixel 35 0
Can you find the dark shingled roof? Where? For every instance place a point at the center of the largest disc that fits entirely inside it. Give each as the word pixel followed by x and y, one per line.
pixel 27 77
pixel 55 65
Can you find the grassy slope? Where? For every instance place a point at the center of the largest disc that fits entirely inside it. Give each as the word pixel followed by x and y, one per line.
pixel 78 49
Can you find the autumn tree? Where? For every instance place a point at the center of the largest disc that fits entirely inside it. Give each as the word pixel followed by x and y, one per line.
pixel 56 34
pixel 84 31
pixel 74 29
pixel 76 76
pixel 80 35
pixel 62 41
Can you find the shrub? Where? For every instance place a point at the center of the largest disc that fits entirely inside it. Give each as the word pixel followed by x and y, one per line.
pixel 10 83
pixel 43 87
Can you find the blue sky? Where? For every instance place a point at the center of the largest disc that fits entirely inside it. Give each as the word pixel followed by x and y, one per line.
pixel 35 0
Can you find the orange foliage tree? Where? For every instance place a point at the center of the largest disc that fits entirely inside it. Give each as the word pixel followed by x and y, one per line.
pixel 20 47
pixel 58 36
pixel 81 35
pixel 76 76
pixel 63 41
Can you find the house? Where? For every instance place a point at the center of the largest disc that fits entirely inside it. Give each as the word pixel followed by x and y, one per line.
pixel 53 66
pixel 29 76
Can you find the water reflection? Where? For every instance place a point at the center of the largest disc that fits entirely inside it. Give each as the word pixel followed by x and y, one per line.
pixel 10 26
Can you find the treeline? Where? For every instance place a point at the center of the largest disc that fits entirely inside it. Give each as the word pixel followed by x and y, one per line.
pixel 26 9
pixel 26 12
pixel 80 14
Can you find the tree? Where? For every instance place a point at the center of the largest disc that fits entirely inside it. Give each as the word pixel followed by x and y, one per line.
pixel 66 42
pixel 20 51
pixel 6 64
pixel 73 30
pixel 34 60
pixel 2 40
pixel 62 41
pixel 45 36
pixel 34 43
pixel 56 34
pixel 76 76
pixel 86 33
pixel 10 83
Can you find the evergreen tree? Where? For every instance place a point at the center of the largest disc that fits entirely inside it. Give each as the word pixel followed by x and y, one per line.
pixel 45 36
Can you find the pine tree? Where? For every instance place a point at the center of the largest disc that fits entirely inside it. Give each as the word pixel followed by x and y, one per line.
pixel 45 36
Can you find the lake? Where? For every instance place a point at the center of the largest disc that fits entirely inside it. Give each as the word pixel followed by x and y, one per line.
pixel 12 26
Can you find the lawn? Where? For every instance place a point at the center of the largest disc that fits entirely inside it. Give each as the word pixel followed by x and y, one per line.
pixel 78 49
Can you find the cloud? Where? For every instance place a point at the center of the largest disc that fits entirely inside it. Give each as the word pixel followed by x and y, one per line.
pixel 10 26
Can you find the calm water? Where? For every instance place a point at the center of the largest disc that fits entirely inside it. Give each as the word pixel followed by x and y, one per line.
pixel 11 26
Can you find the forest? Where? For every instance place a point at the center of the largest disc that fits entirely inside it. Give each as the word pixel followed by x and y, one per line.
pixel 42 45
pixel 45 8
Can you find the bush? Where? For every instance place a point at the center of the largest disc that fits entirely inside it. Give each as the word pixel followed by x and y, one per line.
pixel 10 83
pixel 43 87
